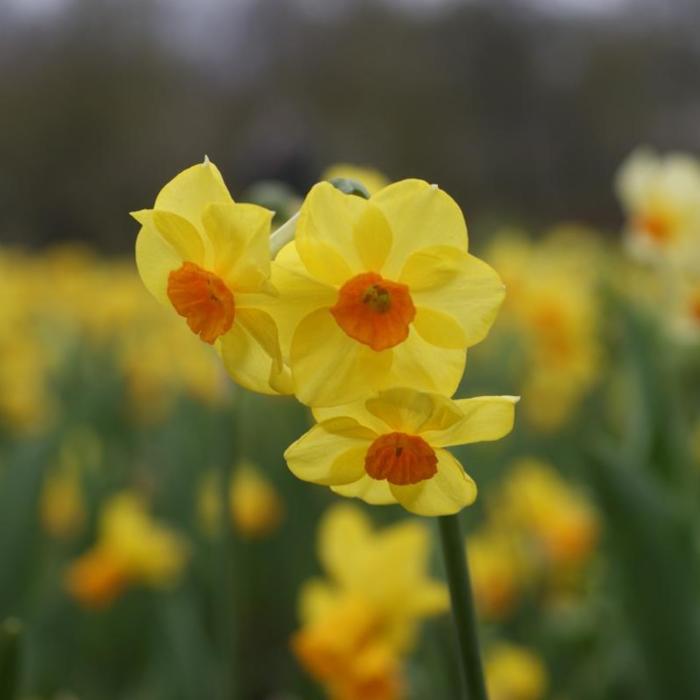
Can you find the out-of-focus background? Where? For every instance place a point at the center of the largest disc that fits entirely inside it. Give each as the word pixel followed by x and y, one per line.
pixel 522 109
pixel 153 544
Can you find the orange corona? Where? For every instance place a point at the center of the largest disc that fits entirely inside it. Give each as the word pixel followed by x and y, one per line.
pixel 203 299
pixel 401 459
pixel 374 311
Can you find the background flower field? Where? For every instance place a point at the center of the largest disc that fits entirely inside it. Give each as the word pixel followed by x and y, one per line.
pixel 153 544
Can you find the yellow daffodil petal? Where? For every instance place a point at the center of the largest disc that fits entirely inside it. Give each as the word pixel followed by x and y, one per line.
pixel 408 411
pixel 431 268
pixel 471 295
pixel 420 216
pixel 155 260
pixel 373 238
pixel 329 368
pixel 450 490
pixel 250 351
pixel 240 237
pixel 181 235
pixel 429 599
pixel 368 490
pixel 344 535
pixel 329 455
pixel 439 329
pixel 315 599
pixel 485 418
pixel 356 410
pixel 419 365
pixel 190 192
pixel 298 294
pixel 325 233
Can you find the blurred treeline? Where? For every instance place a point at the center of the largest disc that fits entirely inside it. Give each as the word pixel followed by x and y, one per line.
pixel 523 114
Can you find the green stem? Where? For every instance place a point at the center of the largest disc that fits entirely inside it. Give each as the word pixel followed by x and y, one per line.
pixel 283 235
pixel 454 552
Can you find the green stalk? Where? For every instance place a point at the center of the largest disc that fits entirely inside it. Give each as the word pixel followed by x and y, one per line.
pixel 463 612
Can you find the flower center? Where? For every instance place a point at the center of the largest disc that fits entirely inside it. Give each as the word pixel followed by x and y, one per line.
pixel 203 299
pixel 657 225
pixel 374 311
pixel 401 459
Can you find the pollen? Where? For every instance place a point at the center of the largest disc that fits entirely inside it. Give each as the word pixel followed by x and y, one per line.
pixel 401 459
pixel 374 311
pixel 203 299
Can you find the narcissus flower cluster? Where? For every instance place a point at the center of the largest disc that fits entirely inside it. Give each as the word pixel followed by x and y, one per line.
pixel 365 315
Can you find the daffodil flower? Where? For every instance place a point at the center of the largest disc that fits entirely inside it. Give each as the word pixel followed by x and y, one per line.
pixel 391 448
pixel 383 572
pixel 207 257
pixel 661 198
pixel 380 293
pixel 132 548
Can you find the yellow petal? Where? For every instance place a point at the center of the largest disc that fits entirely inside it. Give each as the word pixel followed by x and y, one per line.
pixel 324 457
pixel 373 238
pixel 298 294
pixel 368 490
pixel 316 598
pixel 181 235
pixel 450 490
pixel 155 260
pixel 420 216
pixel 419 365
pixel 431 267
pixel 325 233
pixel 406 410
pixel 440 329
pixel 328 367
pixel 485 418
pixel 349 427
pixel 345 534
pixel 240 237
pixel 250 351
pixel 472 295
pixel 429 599
pixel 189 193
pixel 356 410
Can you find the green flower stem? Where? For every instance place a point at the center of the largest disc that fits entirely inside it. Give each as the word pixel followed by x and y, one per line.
pixel 454 552
pixel 283 235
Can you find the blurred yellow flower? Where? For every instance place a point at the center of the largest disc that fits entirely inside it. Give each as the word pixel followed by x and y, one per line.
pixel 514 673
pixel 552 307
pixel 132 548
pixel 208 258
pixel 372 179
pixel 661 199
pixel 391 448
pixel 344 650
pixel 255 507
pixel 379 293
pixel 559 517
pixel 62 504
pixel 498 570
pixel 359 621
